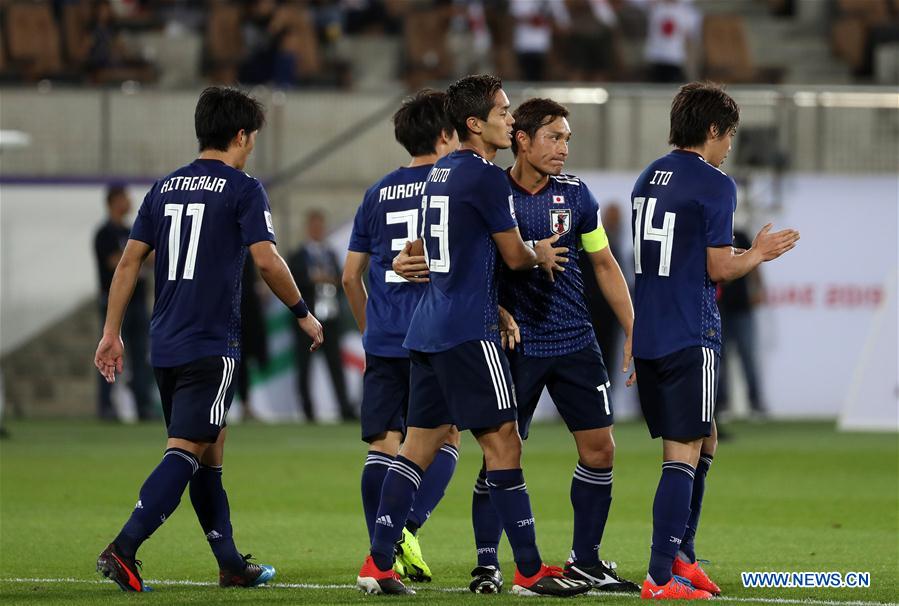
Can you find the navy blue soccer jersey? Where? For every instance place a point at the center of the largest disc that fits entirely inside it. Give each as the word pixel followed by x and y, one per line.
pixel 200 220
pixel 681 205
pixel 552 316
pixel 387 218
pixel 466 200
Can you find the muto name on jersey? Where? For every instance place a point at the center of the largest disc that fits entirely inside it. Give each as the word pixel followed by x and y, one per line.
pixel 216 184
pixel 401 191
pixel 439 175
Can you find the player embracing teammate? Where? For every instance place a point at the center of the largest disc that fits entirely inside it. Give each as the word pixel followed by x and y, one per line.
pixel 459 374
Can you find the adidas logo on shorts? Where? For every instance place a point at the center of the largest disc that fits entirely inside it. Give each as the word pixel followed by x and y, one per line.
pixel 385 521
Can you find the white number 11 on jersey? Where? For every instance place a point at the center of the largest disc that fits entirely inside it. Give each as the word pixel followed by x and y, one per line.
pixel 175 211
pixel 645 231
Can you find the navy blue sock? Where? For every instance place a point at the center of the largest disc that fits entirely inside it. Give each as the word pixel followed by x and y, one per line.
pixel 509 495
pixel 488 529
pixel 159 496
pixel 591 497
pixel 670 511
pixel 210 503
pixel 376 466
pixel 686 547
pixel 433 486
pixel 400 485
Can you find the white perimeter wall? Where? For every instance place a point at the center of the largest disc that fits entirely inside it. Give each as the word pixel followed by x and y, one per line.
pixel 47 254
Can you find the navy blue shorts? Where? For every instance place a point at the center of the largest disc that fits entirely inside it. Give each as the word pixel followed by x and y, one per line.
pixel 578 384
pixel 677 393
pixel 196 397
pixel 385 395
pixel 469 386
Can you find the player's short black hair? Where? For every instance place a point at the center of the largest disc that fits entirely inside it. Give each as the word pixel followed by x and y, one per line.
pixel 533 114
pixel 420 121
pixel 698 106
pixel 113 191
pixel 223 112
pixel 472 96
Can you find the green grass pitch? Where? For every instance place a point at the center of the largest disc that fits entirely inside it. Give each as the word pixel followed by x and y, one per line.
pixel 780 497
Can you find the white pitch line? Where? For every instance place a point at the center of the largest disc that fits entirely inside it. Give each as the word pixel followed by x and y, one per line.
pixel 188 583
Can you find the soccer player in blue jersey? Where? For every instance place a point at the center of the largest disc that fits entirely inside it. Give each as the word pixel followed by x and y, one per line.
pixel 683 208
pixel 460 375
pixel 386 220
pixel 200 220
pixel 558 348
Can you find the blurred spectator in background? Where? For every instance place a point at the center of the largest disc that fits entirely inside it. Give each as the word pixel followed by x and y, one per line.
pixel 253 333
pixel 589 45
pixel 109 243
pixel 673 27
pixel 469 38
pixel 608 331
pixel 366 16
pixel 535 22
pixel 283 44
pixel 317 272
pixel 108 58
pixel 737 302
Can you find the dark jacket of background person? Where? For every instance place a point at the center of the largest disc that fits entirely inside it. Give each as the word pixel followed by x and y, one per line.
pixel 737 302
pixel 109 243
pixel 608 331
pixel 317 272
pixel 253 332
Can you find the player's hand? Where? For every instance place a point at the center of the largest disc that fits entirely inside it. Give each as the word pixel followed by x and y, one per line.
pixel 628 359
pixel 413 268
pixel 549 257
pixel 109 356
pixel 312 327
pixel 509 333
pixel 772 245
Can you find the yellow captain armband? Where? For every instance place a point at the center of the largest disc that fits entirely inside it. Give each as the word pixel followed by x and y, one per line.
pixel 595 241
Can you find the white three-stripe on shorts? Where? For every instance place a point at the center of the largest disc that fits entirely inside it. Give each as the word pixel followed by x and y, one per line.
pixel 217 412
pixel 500 386
pixel 708 384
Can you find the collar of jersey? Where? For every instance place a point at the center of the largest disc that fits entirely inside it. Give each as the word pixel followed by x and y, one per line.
pixel 687 151
pixel 522 189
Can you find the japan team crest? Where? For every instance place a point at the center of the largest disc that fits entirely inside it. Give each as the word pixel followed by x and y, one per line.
pixel 560 220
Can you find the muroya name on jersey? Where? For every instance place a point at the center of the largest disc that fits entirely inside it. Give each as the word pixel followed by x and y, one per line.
pixel 216 184
pixel 403 190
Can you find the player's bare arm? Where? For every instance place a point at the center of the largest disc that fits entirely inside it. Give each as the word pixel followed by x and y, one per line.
pixel 411 262
pixel 108 358
pixel 725 263
pixel 354 267
pixel 519 256
pixel 614 288
pixel 514 252
pixel 509 332
pixel 274 271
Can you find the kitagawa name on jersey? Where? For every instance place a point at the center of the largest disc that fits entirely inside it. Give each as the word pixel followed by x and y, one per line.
pixel 401 191
pixel 216 184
